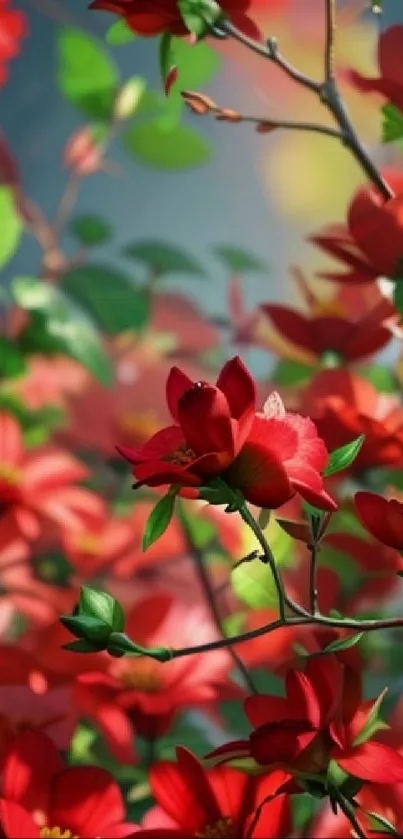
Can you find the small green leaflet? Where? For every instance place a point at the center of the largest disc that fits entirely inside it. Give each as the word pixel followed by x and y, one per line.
pixel 119 34
pixel 333 647
pixel 103 606
pixel 11 225
pixel 159 518
pixel 373 723
pixel 392 124
pixel 382 822
pixel 344 456
pixel 90 230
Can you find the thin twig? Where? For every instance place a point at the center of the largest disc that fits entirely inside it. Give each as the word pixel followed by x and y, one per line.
pixel 313 591
pixel 348 809
pixel 209 594
pixel 66 204
pixel 330 37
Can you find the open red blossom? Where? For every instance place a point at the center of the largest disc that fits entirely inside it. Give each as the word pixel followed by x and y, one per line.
pixel 39 486
pixel 382 518
pixel 219 802
pixel 322 718
pixel 351 339
pixel 141 695
pixel 371 245
pixel 268 455
pixel 344 406
pixel 40 795
pixel 152 17
pixel 389 83
pixel 13 28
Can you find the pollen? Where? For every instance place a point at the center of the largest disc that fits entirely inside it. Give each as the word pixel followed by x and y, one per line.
pixel 223 829
pixel 9 474
pixel 56 833
pixel 182 456
pixel 88 543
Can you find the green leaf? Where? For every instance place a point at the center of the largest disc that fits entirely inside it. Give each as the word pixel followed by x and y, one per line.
pixel 87 628
pixel 109 297
pixel 12 362
pixel 288 372
pixel 381 377
pixel 379 821
pixel 180 147
pixel 81 646
pixel 90 230
pixel 37 425
pixel 398 296
pixel 119 34
pixel 392 124
pixel 253 584
pixel 159 519
pixel 86 73
pixel 66 326
pixel 343 457
pixel 164 258
pixel 373 722
pixel 10 225
pixel 197 63
pixel 343 644
pixel 240 260
pixel 99 604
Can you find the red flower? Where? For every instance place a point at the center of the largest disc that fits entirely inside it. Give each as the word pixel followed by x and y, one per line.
pixel 344 406
pixel 39 486
pixel 390 81
pixel 382 518
pixel 269 455
pixel 321 719
pixel 350 339
pixel 13 28
pixel 372 243
pixel 40 795
pixel 152 17
pixel 195 802
pixel 144 696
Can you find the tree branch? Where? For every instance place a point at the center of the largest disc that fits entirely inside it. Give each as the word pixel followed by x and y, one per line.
pixel 330 37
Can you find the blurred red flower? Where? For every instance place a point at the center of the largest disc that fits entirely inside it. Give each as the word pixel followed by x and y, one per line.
pixel 222 802
pixel 13 28
pixel 381 517
pixel 371 245
pixel 152 18
pixel 344 406
pixel 144 696
pixel 322 718
pixel 39 486
pixel 390 81
pixel 41 796
pixel 268 455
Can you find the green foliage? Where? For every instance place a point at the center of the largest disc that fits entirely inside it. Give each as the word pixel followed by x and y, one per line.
pixel 392 124
pixel 197 64
pixel 239 260
pixel 176 148
pixel 87 75
pixel 119 34
pixel 37 425
pixel 380 824
pixel 163 258
pixel 58 325
pixel 90 230
pixel 253 581
pixel 199 15
pixel 12 362
pixel 109 297
pixel 381 377
pixel 291 373
pixel 10 225
pixel 373 723
pixel 344 456
pixel 159 518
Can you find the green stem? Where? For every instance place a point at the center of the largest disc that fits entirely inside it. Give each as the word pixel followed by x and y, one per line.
pixel 348 809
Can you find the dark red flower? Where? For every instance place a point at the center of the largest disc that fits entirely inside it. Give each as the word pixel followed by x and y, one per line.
pixel 269 455
pixel 351 339
pixel 371 245
pixel 13 28
pixel 382 518
pixel 223 802
pixel 389 83
pixel 322 718
pixel 152 17
pixel 40 795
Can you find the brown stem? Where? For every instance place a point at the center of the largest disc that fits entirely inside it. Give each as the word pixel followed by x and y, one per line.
pixel 204 579
pixel 330 37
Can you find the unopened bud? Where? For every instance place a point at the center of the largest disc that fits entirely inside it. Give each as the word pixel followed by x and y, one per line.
pixel 83 151
pixel 129 97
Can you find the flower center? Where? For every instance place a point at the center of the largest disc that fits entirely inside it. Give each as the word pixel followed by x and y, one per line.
pixel 140 674
pixel 88 543
pixel 9 474
pixel 223 829
pixel 181 456
pixel 56 833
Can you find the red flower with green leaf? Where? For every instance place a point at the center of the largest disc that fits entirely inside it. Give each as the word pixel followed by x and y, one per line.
pixel 389 83
pixel 222 802
pixel 13 28
pixel 381 517
pixel 321 720
pixel 268 455
pixel 41 795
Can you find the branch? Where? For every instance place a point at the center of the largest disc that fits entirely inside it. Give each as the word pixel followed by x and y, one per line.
pixel 330 37
pixel 348 809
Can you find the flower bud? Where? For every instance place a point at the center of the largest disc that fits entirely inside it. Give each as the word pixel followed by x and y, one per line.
pixel 83 152
pixel 129 97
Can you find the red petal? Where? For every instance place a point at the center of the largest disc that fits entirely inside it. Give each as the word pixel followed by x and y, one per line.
pixel 282 743
pixel 159 473
pixel 183 791
pixel 264 709
pixel 29 770
pixel 292 325
pixel 373 762
pixel 11 449
pixel 17 822
pixel 205 420
pixel 261 476
pixel 163 443
pixel 382 518
pixel 390 50
pixel 302 696
pixel 88 800
pixel 177 384
pixel 239 388
pixel 274 820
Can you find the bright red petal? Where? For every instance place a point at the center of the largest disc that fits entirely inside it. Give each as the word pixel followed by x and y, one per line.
pixel 183 791
pixel 262 709
pixel 205 420
pixel 30 769
pixel 177 384
pixel 17 822
pixel 382 518
pixel 373 762
pixel 274 820
pixel 88 800
pixel 11 449
pixel 239 388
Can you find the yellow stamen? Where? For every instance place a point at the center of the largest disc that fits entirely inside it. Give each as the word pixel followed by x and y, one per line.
pixel 223 829
pixel 56 833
